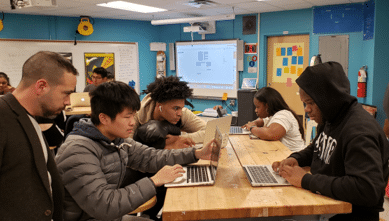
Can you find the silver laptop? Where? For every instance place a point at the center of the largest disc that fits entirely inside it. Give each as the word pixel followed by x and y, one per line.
pixel 196 175
pixel 223 123
pixel 79 100
pixel 264 175
pixel 238 130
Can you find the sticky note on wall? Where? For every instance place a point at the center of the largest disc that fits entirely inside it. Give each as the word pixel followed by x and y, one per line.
pixel 285 61
pixel 300 51
pixel 278 51
pixel 299 71
pixel 293 69
pixel 279 72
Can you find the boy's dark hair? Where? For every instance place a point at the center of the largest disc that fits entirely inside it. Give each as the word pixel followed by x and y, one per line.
pixel 101 71
pixel 110 76
pixel 111 98
pixel 275 102
pixel 169 88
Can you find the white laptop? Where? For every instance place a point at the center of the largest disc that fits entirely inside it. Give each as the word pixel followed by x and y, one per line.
pixel 223 123
pixel 238 130
pixel 79 100
pixel 233 129
pixel 197 175
pixel 264 175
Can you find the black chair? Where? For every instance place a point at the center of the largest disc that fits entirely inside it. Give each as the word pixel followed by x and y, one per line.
pixel 70 122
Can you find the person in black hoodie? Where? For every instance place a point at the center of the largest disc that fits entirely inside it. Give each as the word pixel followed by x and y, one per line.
pixel 349 156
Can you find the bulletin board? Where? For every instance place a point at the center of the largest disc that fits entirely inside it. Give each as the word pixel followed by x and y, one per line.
pixel 15 52
pixel 288 62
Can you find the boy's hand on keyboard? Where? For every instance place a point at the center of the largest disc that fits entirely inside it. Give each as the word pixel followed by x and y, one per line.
pixel 205 152
pixel 278 165
pixel 167 174
pixel 294 175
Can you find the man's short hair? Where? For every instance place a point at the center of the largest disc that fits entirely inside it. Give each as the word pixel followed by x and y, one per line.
pixel 168 88
pixel 111 98
pixel 101 71
pixel 46 65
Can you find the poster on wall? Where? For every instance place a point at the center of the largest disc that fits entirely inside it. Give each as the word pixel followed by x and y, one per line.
pixel 94 60
pixel 287 62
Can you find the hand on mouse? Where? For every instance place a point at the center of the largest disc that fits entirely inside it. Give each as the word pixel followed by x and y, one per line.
pixel 167 174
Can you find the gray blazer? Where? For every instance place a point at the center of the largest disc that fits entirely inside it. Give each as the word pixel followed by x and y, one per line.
pixel 25 193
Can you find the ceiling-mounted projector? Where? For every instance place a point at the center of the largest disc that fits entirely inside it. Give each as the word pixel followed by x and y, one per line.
pixel 17 4
pixel 202 27
pixel 193 28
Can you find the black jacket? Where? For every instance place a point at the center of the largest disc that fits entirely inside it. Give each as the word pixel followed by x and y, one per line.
pixel 349 156
pixel 24 186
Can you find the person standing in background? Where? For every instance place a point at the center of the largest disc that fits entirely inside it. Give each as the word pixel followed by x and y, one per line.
pixel 30 185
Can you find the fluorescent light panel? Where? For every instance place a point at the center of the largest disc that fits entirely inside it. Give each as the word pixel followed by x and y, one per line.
pixel 193 19
pixel 131 7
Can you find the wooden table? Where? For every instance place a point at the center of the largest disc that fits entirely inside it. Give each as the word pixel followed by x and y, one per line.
pixel 232 196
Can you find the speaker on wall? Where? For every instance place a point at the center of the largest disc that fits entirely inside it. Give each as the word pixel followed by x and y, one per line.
pixel 172 57
pixel 246 108
pixel 249 25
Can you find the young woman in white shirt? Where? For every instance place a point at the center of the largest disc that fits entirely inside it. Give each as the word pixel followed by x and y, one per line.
pixel 276 121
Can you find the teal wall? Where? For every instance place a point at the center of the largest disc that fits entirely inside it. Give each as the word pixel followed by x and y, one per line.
pixel 380 59
pixel 372 53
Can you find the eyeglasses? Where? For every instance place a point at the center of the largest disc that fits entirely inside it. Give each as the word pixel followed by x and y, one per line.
pixel 96 77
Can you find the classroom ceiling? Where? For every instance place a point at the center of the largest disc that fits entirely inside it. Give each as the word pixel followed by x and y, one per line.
pixel 175 8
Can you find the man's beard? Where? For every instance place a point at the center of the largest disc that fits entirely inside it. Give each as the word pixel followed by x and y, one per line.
pixel 48 113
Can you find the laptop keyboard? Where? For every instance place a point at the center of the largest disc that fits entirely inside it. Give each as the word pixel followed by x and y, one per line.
pixel 197 174
pixel 236 130
pixel 262 174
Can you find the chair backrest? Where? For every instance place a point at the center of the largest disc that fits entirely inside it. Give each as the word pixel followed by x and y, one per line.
pixel 70 123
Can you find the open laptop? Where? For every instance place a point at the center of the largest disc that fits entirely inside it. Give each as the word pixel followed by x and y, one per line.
pixel 238 130
pixel 223 123
pixel 79 100
pixel 264 175
pixel 233 129
pixel 196 175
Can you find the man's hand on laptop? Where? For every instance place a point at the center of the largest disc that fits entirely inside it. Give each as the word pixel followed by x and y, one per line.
pixel 167 174
pixel 178 142
pixel 205 152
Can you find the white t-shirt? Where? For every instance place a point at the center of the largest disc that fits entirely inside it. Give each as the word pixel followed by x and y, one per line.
pixel 292 139
pixel 43 144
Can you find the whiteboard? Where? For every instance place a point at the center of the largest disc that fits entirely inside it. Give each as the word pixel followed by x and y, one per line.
pixel 126 57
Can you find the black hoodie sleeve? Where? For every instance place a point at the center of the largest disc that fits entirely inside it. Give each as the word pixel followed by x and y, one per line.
pixel 304 157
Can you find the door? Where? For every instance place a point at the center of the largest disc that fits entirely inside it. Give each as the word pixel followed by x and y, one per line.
pixel 288 56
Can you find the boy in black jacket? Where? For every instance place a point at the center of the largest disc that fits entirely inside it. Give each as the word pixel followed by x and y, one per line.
pixel 349 156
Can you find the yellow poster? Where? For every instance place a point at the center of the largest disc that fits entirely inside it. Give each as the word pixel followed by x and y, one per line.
pixel 288 61
pixel 94 60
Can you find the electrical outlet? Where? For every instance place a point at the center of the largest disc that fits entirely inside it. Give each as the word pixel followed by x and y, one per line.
pixel 232 102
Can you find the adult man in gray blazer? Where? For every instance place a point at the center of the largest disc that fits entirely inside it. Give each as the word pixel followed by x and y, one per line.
pixel 30 186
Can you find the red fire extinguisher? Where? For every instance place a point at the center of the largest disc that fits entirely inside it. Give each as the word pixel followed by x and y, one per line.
pixel 362 75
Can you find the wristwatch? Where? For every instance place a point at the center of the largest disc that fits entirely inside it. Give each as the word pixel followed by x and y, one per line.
pixel 252 128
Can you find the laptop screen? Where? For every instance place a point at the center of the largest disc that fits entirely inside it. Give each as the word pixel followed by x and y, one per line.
pixel 216 151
